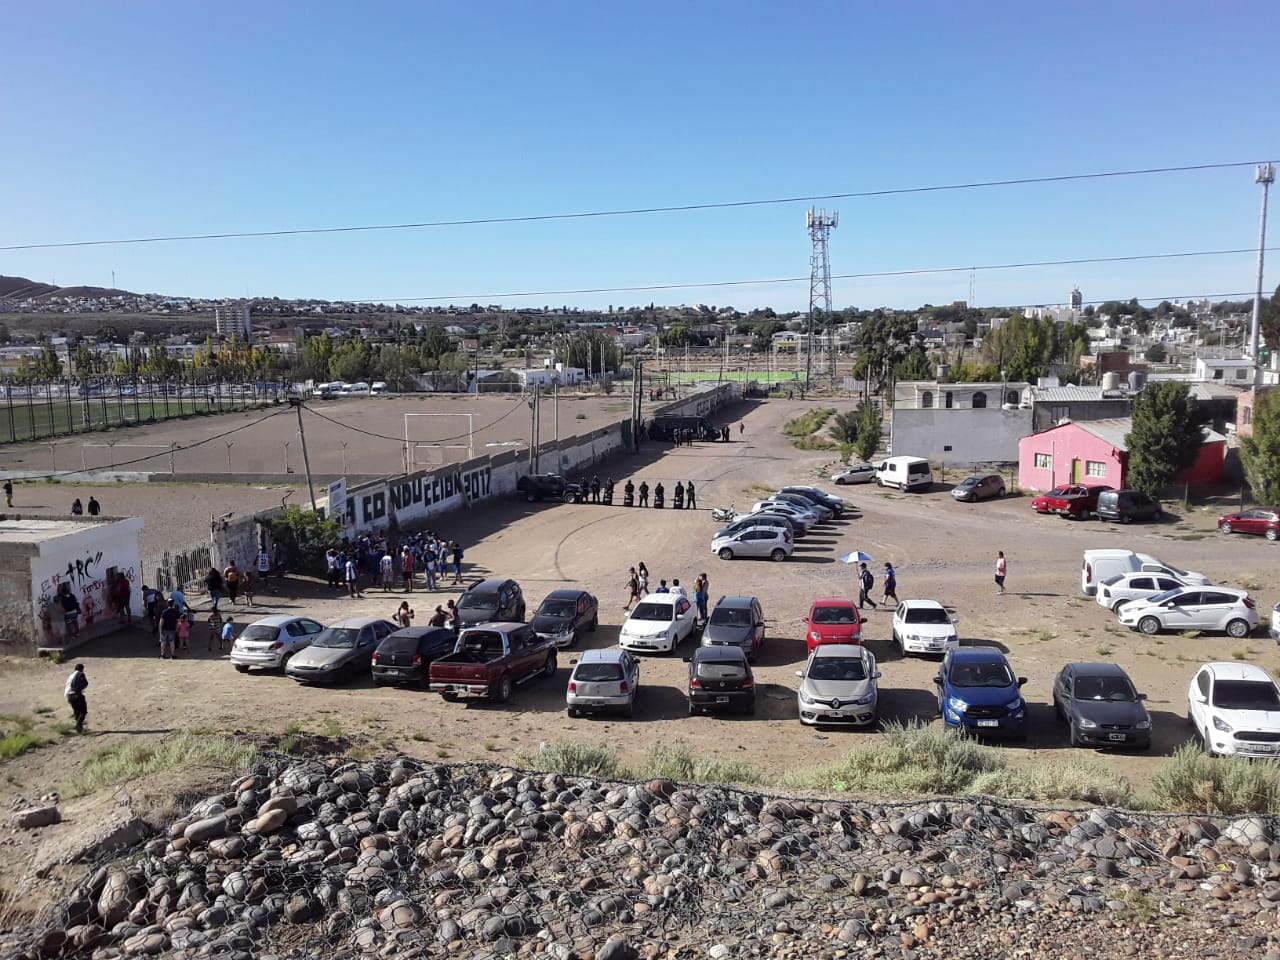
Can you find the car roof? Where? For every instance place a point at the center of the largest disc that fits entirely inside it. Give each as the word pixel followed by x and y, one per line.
pixel 977 655
pixel 668 598
pixel 1097 669
pixel 832 602
pixel 839 650
pixel 501 626
pixel 279 619
pixel 414 633
pixel 720 653
pixel 735 602
pixel 606 655
pixel 355 623
pixel 923 605
pixel 491 583
pixel 1198 587
pixel 1227 670
pixel 563 594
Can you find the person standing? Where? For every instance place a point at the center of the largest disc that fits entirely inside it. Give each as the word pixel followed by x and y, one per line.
pixel 386 569
pixel 439 618
pixel 353 578
pixel 77 508
pixel 451 612
pixel 169 618
pixel 457 562
pixel 332 570
pixel 213 583
pixel 678 590
pixel 406 570
pixel 404 615
pixel 227 637
pixel 1002 567
pixel 700 597
pixel 8 492
pixel 264 568
pixel 246 586
pixel 890 584
pixel 70 611
pixel 74 691
pixel 231 578
pixel 429 560
pixel 94 507
pixel 866 583
pixel 184 633
pixel 643 573
pixel 633 588
pixel 644 493
pixel 742 428
pixel 690 501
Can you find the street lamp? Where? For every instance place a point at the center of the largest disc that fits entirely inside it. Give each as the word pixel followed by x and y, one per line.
pixel 286 457
pixel 344 457
pixel 230 444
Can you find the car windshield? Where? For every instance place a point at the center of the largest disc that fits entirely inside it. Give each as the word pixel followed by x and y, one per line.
pixel 718 670
pixel 834 615
pixel 1058 492
pixel 1246 695
pixel 1167 595
pixel 259 631
pixel 981 675
pixel 478 601
pixel 838 668
pixel 1105 688
pixel 342 637
pixel 970 481
pixel 597 672
pixel 730 617
pixel 653 611
pixel 557 608
pixel 926 615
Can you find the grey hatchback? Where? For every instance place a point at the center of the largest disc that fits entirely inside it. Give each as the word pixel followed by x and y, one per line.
pixel 736 622
pixel 980 486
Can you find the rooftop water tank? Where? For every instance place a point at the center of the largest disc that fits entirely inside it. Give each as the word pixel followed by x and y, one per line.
pixel 944 373
pixel 1137 380
pixel 1111 381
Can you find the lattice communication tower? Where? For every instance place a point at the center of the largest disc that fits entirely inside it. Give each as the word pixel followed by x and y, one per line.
pixel 820 224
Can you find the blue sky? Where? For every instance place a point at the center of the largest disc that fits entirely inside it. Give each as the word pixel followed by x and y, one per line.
pixel 140 119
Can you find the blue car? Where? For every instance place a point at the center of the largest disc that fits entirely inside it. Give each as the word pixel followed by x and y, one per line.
pixel 978 692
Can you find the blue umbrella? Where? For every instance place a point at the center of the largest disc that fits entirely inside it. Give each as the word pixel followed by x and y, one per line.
pixel 856 557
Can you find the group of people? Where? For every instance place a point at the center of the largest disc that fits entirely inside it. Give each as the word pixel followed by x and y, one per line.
pixel 386 564
pixel 683 496
pixel 638 589
pixel 77 508
pixel 173 619
pixel 443 616
pixel 867 583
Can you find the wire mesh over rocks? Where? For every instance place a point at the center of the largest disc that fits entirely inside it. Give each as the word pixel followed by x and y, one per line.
pixel 401 858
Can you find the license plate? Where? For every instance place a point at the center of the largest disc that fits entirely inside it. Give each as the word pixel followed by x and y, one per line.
pixel 1115 736
pixel 722 699
pixel 988 723
pixel 393 673
pixel 1263 747
pixel 835 715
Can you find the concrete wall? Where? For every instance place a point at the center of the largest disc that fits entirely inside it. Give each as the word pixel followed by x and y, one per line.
pixel 960 436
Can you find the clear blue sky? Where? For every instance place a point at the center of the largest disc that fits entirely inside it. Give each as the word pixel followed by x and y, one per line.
pixel 137 119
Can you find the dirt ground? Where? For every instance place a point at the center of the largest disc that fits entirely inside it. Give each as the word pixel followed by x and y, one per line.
pixel 942 549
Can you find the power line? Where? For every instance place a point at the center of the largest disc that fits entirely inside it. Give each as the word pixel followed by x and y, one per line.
pixel 629 212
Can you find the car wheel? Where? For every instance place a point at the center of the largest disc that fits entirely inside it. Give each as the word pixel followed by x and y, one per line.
pixel 449 697
pixel 531 497
pixel 1272 535
pixel 242 668
pixel 1224 527
pixel 1119 605
pixel 349 673
pixel 569 496
pixel 1238 629
pixel 726 553
pixel 1204 744
pixel 591 628
pixel 629 710
pixel 1158 515
pixel 549 668
pixel 778 555
pixel 503 693
pixel 573 713
pixel 1125 518
pixel 693 711
pixel 1075 736
pixel 1085 514
pixel 1149 625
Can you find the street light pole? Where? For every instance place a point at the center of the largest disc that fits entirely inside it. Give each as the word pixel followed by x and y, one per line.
pixel 1265 174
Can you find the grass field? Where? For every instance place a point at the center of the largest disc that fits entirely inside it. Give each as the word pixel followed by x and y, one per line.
pixel 36 419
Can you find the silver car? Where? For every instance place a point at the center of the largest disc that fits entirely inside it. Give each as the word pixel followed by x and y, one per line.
pixel 603 680
pixel 272 641
pixel 838 686
pixel 769 542
pixel 340 653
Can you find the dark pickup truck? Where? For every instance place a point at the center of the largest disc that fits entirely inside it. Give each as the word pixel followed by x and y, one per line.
pixel 548 486
pixel 489 660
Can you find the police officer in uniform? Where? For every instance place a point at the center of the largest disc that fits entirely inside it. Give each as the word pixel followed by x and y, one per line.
pixel 677 497
pixel 608 491
pixel 659 495
pixel 690 500
pixel 644 494
pixel 629 494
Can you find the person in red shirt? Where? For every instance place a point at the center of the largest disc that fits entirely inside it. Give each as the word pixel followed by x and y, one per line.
pixel 406 566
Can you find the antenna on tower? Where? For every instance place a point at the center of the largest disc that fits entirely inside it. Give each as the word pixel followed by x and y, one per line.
pixel 820 225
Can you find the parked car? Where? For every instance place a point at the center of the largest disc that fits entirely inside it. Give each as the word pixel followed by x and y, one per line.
pixel 1275 623
pixel 750 520
pixel 819 496
pixel 820 510
pixel 1125 506
pixel 657 624
pixel 490 660
pixel 833 620
pixel 548 486
pixel 341 652
pixel 603 680
pixel 838 686
pixel 736 622
pixel 1261 521
pixel 405 656
pixel 495 600
pixel 980 486
pixel 1193 608
pixel 1235 710
pixel 720 678
pixel 1099 565
pixel 1101 706
pixel 1115 592
pixel 270 642
pixel 768 542
pixel 1076 501
pixel 563 613
pixel 855 473
pixel 924 626
pixel 978 692
pixel 801 516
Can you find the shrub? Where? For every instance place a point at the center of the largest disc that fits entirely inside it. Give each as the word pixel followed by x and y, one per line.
pixel 1192 780
pixel 574 757
pixel 1075 779
pixel 808 423
pixel 19 742
pixel 139 758
pixel 674 761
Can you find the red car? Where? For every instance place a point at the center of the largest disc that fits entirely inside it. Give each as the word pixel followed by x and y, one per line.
pixel 833 620
pixel 1264 521
pixel 1076 501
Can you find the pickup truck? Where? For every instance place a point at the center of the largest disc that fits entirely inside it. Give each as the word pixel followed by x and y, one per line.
pixel 548 486
pixel 1074 502
pixel 489 660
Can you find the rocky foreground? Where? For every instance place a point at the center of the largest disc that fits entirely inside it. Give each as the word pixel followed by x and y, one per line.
pixel 405 859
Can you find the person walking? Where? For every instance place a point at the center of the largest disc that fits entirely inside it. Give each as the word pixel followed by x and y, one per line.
pixel 633 588
pixel 246 586
pixel 457 562
pixel 231 579
pixel 169 618
pixel 8 492
pixel 866 583
pixel 439 618
pixel 122 598
pixel 1002 567
pixel 213 583
pixel 77 508
pixel 890 584
pixel 95 508
pixel 227 638
pixel 643 573
pixel 74 692
pixel 184 634
pixel 690 501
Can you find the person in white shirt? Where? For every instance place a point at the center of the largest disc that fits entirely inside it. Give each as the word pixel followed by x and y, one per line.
pixel 74 692
pixel 678 590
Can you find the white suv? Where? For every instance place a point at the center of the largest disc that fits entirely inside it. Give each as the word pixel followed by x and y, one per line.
pixel 657 624
pixel 1235 709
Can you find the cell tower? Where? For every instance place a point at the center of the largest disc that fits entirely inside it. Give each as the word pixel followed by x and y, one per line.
pixel 820 225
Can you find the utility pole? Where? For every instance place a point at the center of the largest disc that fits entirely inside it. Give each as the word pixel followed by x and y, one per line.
pixel 1265 174
pixel 820 225
pixel 636 394
pixel 296 403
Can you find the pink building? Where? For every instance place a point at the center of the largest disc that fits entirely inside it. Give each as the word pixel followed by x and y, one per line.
pixel 1095 452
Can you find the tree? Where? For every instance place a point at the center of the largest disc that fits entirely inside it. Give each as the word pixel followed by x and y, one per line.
pixel 676 335
pixel 868 431
pixel 583 350
pixel 1165 437
pixel 914 366
pixel 1260 453
pixel 1156 353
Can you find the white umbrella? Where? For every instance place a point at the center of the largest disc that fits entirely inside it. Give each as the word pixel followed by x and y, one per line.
pixel 857 556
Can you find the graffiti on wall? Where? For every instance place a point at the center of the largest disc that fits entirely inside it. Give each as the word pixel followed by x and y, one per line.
pixel 416 495
pixel 85 576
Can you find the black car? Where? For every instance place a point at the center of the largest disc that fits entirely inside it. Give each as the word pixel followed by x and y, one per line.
pixel 548 486
pixel 736 622
pixel 1100 704
pixel 720 678
pixel 563 613
pixel 494 600
pixel 833 503
pixel 404 656
pixel 1125 506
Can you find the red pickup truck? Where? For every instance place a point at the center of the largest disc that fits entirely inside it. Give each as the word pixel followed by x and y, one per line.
pixel 1075 501
pixel 490 659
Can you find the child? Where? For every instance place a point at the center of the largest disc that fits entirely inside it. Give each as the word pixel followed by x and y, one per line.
pixel 228 636
pixel 184 633
pixel 246 586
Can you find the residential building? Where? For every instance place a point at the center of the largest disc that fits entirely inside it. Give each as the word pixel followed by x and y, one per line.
pixel 958 423
pixel 1053 403
pixel 232 320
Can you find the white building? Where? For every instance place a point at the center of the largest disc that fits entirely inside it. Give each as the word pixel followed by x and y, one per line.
pixel 959 423
pixel 565 376
pixel 232 320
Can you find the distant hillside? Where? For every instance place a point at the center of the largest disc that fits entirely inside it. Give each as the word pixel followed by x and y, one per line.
pixel 21 288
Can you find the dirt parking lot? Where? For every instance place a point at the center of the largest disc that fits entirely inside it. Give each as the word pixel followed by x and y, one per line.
pixel 942 549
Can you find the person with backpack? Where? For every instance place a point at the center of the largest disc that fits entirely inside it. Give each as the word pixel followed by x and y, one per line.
pixel 866 583
pixel 231 578
pixel 213 583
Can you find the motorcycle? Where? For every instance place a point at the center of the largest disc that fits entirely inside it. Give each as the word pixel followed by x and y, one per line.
pixel 628 499
pixel 724 514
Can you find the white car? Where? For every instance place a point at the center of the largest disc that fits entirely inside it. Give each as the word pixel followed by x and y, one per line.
pixel 271 641
pixel 1193 608
pixel 1114 592
pixel 1235 710
pixel 838 686
pixel 806 518
pixel 855 473
pixel 773 543
pixel 924 626
pixel 1275 623
pixel 657 624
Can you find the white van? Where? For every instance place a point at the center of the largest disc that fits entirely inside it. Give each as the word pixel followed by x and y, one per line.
pixel 1099 565
pixel 905 473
